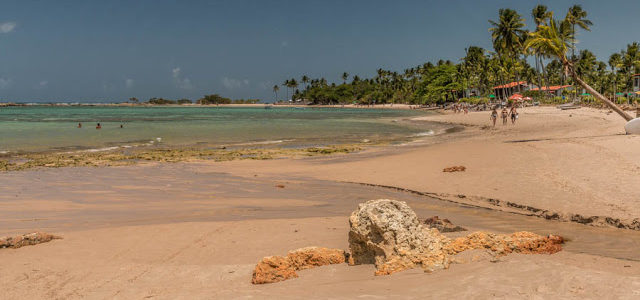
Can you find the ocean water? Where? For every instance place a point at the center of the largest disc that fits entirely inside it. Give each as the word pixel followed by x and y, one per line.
pixel 54 128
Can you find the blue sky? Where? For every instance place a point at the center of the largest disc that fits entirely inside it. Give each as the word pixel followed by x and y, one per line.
pixel 94 51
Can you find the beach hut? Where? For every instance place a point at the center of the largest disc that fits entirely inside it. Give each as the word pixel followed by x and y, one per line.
pixel 554 90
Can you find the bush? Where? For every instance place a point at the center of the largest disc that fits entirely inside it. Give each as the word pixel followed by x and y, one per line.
pixel 184 101
pixel 160 101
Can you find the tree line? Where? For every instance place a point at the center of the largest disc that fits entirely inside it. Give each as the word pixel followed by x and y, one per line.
pixel 549 41
pixel 206 99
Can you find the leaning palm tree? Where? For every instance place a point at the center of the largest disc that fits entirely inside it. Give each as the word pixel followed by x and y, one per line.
pixel 554 41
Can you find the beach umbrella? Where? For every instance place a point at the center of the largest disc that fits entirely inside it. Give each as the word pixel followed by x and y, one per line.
pixel 585 94
pixel 492 96
pixel 515 97
pixel 619 94
pixel 527 98
pixel 638 92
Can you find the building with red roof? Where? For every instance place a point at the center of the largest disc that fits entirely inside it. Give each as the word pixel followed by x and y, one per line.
pixel 554 90
pixel 506 90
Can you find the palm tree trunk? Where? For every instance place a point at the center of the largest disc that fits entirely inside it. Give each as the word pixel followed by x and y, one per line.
pixel 598 96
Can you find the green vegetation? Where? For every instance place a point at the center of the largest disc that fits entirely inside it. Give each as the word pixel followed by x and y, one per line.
pixel 475 74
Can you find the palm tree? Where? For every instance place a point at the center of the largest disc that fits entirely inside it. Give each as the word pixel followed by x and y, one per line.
pixel 577 16
pixel 614 62
pixel 293 84
pixel 276 88
pixel 508 34
pixel 305 80
pixel 540 15
pixel 553 41
pixel 286 84
pixel 345 76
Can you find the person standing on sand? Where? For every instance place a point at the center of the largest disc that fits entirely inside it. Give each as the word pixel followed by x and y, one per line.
pixel 514 114
pixel 505 114
pixel 494 116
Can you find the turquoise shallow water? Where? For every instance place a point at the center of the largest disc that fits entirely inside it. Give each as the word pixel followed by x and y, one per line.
pixel 47 128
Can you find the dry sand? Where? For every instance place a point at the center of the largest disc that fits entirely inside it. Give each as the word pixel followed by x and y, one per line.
pixel 167 231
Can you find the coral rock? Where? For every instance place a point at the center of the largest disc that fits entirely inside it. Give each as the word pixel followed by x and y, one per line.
pixel 273 269
pixel 387 233
pixel 455 169
pixel 277 268
pixel 519 242
pixel 443 225
pixel 26 240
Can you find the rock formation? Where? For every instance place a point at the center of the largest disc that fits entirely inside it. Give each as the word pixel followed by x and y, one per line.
pixel 26 240
pixel 443 225
pixel 387 233
pixel 502 244
pixel 277 268
pixel 455 169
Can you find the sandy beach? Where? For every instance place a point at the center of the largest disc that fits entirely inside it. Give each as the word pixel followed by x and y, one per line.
pixel 195 230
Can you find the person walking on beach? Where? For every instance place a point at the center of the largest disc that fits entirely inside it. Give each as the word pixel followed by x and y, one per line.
pixel 494 116
pixel 505 114
pixel 514 114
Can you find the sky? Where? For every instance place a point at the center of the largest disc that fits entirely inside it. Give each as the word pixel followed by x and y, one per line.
pixel 109 51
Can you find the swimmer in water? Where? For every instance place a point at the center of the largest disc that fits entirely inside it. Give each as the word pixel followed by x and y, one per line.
pixel 79 125
pixel 98 126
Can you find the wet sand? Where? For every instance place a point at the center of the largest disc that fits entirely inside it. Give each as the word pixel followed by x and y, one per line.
pixel 195 230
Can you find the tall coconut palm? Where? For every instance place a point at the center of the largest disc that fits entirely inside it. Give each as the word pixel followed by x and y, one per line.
pixel 540 15
pixel 286 84
pixel 577 16
pixel 305 80
pixel 276 88
pixel 345 76
pixel 614 62
pixel 551 41
pixel 508 34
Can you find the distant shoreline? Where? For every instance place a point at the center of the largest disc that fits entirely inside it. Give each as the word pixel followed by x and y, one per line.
pixel 259 105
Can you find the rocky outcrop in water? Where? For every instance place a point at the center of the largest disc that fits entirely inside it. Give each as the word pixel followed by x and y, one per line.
pixel 387 233
pixel 278 268
pixel 26 240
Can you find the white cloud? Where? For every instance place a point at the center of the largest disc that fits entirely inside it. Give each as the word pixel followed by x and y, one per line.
pixel 5 82
pixel 181 82
pixel 231 83
pixel 128 83
pixel 7 27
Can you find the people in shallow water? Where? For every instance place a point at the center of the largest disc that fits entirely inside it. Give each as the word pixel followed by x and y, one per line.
pixel 79 125
pixel 98 126
pixel 121 126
